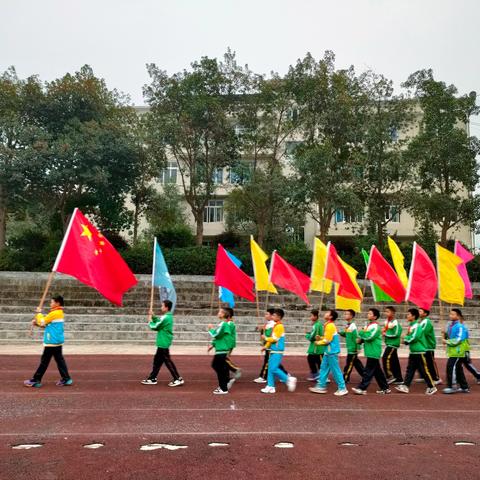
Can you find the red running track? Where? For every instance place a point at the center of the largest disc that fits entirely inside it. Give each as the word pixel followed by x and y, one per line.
pixel 407 436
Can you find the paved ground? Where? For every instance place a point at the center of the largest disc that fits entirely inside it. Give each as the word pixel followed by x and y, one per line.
pixel 402 436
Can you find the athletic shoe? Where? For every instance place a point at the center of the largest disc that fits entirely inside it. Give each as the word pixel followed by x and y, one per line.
pixel 230 383
pixel 384 392
pixel 260 380
pixel 398 382
pixel 438 382
pixel 402 389
pixel 318 390
pixel 219 391
pixel 478 381
pixel 64 383
pixel 291 384
pixel 450 390
pixel 359 391
pixel 312 378
pixel 390 380
pixel 431 391
pixel 237 374
pixel 149 381
pixel 341 393
pixel 176 383
pixel 464 390
pixel 32 383
pixel 419 380
pixel 268 389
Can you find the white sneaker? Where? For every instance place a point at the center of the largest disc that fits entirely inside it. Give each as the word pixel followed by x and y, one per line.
pixel 358 391
pixel 237 374
pixel 268 389
pixel 177 382
pixel 230 383
pixel 291 384
pixel 219 391
pixel 149 381
pixel 341 393
pixel 260 380
pixel 438 382
pixel 402 389
pixel 318 390
pixel 431 391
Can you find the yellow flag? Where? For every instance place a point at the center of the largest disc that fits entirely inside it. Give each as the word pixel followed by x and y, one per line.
pixel 260 271
pixel 318 283
pixel 451 288
pixel 398 261
pixel 342 303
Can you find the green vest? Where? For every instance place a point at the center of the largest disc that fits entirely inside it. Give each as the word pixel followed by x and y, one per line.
pixel 164 327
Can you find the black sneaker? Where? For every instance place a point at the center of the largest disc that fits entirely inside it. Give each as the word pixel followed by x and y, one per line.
pixel 149 381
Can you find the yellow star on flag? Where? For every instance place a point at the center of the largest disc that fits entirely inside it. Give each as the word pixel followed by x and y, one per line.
pixel 86 232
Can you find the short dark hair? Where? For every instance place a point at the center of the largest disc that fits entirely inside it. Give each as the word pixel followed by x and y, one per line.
pixel 427 312
pixel 352 312
pixel 168 304
pixel 375 311
pixel 271 310
pixel 228 311
pixel 392 309
pixel 458 312
pixel 333 314
pixel 314 312
pixel 414 312
pixel 279 312
pixel 58 299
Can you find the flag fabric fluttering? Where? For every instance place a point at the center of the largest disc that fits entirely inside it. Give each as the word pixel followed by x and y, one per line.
pixel 336 272
pixel 451 288
pixel 466 256
pixel 318 282
pixel 161 278
pixel 228 275
pixel 260 270
pixel 342 303
pixel 224 294
pixel 89 257
pixel 286 276
pixel 378 294
pixel 422 280
pixel 381 273
pixel 398 261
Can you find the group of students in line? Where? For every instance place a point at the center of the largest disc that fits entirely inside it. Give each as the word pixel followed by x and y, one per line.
pixel 322 355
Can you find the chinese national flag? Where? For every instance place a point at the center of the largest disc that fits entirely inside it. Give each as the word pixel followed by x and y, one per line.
pixel 89 257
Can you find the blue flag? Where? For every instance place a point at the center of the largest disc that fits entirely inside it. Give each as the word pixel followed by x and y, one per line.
pixel 161 278
pixel 224 294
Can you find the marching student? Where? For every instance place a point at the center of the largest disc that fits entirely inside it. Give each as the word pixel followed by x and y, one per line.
pixel 456 340
pixel 468 359
pixel 53 340
pixel 314 352
pixel 331 341
pixel 415 339
pixel 351 335
pixel 430 345
pixel 163 325
pixel 276 343
pixel 266 331
pixel 371 337
pixel 237 371
pixel 392 332
pixel 221 342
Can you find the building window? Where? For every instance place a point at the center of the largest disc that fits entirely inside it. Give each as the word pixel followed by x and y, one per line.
pixel 218 176
pixel 392 214
pixel 213 211
pixel 346 216
pixel 169 175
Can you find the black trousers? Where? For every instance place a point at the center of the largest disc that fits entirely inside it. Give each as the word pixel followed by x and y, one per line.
pixel 470 367
pixel 48 353
pixel 162 356
pixel 264 369
pixel 418 362
pixel 373 369
pixel 232 367
pixel 314 362
pixel 391 364
pixel 432 365
pixel 219 364
pixel 352 362
pixel 455 373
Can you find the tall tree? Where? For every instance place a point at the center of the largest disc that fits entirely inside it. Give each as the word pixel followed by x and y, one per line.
pixel 445 154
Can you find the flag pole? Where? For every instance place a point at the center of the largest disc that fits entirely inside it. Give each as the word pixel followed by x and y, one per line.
pixel 44 296
pixel 152 287
pixel 212 298
pixel 270 276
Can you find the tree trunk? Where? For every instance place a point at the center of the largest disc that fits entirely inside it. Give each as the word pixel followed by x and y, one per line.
pixel 443 237
pixel 199 234
pixel 261 233
pixel 3 226
pixel 380 236
pixel 136 215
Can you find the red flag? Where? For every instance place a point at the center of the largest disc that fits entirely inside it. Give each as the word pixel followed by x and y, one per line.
pixel 89 257
pixel 422 281
pixel 382 274
pixel 228 275
pixel 288 277
pixel 336 272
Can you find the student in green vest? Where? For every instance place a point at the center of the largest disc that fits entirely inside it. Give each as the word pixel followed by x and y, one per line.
pixel 163 325
pixel 314 352
pixel 392 332
pixel 430 345
pixel 351 334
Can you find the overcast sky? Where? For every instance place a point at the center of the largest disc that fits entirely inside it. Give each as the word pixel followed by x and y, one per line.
pixel 118 37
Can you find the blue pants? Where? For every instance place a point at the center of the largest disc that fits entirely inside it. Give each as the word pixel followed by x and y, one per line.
pixel 274 369
pixel 330 365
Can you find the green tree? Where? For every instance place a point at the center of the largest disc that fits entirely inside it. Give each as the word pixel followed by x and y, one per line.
pixel 165 209
pixel 445 154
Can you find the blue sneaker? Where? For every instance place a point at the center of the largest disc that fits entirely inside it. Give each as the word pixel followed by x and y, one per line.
pixel 64 383
pixel 450 390
pixel 32 383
